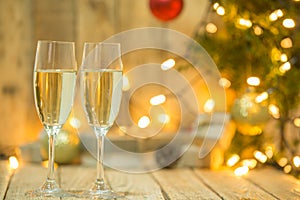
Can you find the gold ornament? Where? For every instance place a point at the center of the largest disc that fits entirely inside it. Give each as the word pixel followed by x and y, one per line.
pixel 250 114
pixel 67 146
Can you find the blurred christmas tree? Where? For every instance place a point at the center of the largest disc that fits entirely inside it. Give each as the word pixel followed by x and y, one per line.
pixel 248 38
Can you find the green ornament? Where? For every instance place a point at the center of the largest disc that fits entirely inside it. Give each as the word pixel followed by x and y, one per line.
pixel 250 115
pixel 67 146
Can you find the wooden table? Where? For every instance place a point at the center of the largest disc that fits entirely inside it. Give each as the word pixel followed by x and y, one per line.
pixel 186 183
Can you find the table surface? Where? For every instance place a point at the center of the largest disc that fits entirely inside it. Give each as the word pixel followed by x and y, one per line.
pixel 180 183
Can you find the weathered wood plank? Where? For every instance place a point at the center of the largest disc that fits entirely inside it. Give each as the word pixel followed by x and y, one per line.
pixel 54 20
pixel 229 186
pixel 277 183
pixel 76 177
pixel 5 174
pixel 183 184
pixel 18 122
pixel 134 186
pixel 26 178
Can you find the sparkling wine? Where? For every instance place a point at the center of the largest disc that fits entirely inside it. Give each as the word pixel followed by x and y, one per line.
pixel 101 94
pixel 54 94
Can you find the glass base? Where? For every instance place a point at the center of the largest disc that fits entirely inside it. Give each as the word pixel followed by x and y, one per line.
pixel 100 191
pixel 48 189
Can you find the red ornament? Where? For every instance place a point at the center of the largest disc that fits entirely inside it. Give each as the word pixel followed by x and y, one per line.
pixel 166 10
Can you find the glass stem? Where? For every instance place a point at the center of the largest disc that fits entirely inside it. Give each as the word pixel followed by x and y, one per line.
pixel 50 175
pixel 100 148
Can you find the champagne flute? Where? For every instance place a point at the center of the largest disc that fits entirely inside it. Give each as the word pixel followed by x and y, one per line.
pixel 54 86
pixel 101 91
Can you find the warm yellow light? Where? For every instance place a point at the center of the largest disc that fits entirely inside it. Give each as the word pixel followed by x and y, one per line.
pixel 233 160
pixel 273 17
pixel 282 162
pixel 257 30
pixel 296 122
pixel 253 81
pixel 245 22
pixel 126 84
pixel 279 13
pixel 220 10
pixel 274 111
pixel 75 122
pixel 286 43
pixel 159 99
pixel 285 67
pixel 250 163
pixel 296 161
pixel 164 118
pixel 261 97
pixel 211 28
pixel 13 162
pixel 283 57
pixel 261 157
pixel 209 105
pixel 224 82
pixel 144 122
pixel 45 164
pixel 287 169
pixel 168 64
pixel 216 5
pixel 288 23
pixel 269 152
pixel 241 171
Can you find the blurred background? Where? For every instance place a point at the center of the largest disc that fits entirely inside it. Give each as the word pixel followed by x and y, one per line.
pixel 24 22
pixel 255 45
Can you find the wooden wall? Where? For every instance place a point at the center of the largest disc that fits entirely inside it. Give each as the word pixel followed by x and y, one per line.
pixel 23 22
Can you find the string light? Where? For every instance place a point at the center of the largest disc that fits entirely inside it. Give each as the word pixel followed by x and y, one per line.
pixel 216 5
pixel 233 160
pixel 269 152
pixel 285 67
pixel 261 97
pixel 241 171
pixel 283 57
pixel 250 163
pixel 279 13
pixel 253 81
pixel 245 22
pixel 164 118
pixel 287 169
pixel 288 23
pixel 126 84
pixel 13 162
pixel 168 64
pixel 157 100
pixel 211 28
pixel 75 122
pixel 261 157
pixel 144 122
pixel 296 122
pixel 286 43
pixel 274 111
pixel 273 17
pixel 296 161
pixel 257 30
pixel 209 105
pixel 282 162
pixel 224 82
pixel 220 10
